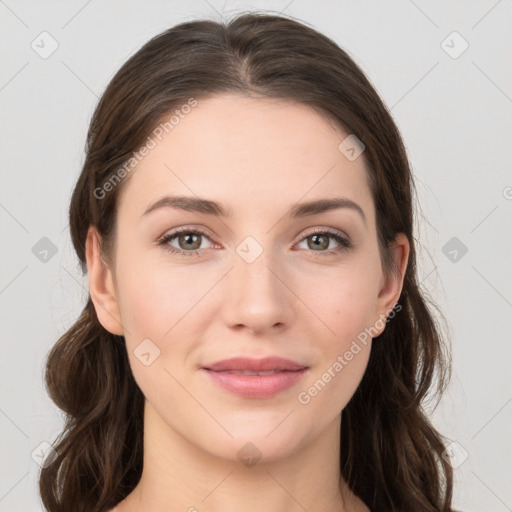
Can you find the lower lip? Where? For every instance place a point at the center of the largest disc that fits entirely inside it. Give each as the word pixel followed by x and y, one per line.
pixel 256 386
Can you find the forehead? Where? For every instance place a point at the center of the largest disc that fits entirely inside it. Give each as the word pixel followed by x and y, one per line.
pixel 248 153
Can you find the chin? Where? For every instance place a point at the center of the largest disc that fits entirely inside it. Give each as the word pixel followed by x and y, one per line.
pixel 263 441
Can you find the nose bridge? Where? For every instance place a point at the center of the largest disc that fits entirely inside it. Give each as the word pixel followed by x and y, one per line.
pixel 256 295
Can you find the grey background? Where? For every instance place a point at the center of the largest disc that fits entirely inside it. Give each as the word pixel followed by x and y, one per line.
pixel 455 117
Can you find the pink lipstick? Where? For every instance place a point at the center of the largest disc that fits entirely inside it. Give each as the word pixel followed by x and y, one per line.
pixel 255 378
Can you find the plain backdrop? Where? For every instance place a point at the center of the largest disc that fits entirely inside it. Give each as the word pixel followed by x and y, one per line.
pixel 443 68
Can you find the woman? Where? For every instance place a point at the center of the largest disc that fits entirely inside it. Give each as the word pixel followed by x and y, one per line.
pixel 255 335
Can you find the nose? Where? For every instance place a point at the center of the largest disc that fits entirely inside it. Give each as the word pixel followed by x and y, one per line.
pixel 256 295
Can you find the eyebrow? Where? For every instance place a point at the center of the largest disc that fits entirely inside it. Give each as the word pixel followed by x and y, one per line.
pixel 206 206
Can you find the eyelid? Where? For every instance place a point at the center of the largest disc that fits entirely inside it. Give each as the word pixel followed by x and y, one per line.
pixel 208 233
pixel 325 229
pixel 187 229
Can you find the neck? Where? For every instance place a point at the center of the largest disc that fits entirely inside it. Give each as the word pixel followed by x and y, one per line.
pixel 178 475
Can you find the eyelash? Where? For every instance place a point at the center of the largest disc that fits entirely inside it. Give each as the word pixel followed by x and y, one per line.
pixel 345 243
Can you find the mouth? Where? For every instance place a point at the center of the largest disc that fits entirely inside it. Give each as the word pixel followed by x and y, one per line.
pixel 248 372
pixel 255 378
pixel 257 366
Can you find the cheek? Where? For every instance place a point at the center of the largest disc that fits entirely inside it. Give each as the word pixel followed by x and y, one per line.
pixel 154 296
pixel 344 300
pixel 345 303
pixel 344 374
pixel 344 358
pixel 145 307
pixel 159 304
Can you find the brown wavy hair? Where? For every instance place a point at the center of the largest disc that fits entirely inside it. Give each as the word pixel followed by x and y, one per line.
pixel 391 455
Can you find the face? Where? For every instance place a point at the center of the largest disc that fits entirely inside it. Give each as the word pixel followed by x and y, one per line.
pixel 257 282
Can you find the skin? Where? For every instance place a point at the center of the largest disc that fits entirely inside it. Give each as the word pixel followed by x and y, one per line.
pixel 258 157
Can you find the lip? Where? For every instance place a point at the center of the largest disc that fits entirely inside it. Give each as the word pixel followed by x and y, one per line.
pixel 227 374
pixel 255 365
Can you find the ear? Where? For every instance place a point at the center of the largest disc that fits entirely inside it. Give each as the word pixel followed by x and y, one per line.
pixel 391 286
pixel 101 285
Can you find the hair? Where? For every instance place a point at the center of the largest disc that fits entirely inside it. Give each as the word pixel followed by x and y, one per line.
pixel 391 455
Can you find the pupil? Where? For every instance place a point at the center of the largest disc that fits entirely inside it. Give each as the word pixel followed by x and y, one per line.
pixel 189 238
pixel 317 240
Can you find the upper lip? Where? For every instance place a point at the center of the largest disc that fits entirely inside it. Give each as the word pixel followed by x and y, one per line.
pixel 255 365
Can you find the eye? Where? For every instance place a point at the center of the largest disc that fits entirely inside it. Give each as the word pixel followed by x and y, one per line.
pixel 188 240
pixel 320 240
